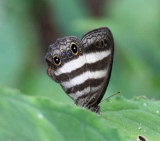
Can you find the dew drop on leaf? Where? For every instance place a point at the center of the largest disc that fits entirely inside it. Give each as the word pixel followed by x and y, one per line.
pixel 144 104
pixel 40 116
pixel 139 128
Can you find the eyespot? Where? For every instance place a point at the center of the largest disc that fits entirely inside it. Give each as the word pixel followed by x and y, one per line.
pixel 105 41
pixel 63 54
pixel 69 53
pixel 102 44
pixel 74 48
pixel 57 60
pixel 97 44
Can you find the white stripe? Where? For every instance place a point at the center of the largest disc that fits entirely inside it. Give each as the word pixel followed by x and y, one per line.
pixel 97 56
pixel 80 61
pixel 83 77
pixel 79 93
pixel 83 92
pixel 68 66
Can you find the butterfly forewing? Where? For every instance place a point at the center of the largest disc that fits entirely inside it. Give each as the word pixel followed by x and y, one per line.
pixel 72 73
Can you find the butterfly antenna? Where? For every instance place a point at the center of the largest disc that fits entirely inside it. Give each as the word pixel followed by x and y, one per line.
pixel 110 96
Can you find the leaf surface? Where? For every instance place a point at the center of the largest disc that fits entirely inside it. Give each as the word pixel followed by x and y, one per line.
pixel 33 118
pixel 138 116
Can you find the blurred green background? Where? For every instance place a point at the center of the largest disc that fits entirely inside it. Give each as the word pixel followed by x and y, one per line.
pixel 28 27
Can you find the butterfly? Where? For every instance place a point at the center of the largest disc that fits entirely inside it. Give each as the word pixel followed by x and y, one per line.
pixel 83 67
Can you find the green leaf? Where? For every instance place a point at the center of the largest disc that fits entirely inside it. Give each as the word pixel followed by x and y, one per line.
pixel 38 118
pixel 24 118
pixel 138 116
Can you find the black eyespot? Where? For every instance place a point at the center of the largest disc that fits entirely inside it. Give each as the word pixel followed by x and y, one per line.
pixel 74 48
pixel 69 53
pixel 57 60
pixel 102 44
pixel 63 54
pixel 105 42
pixel 98 44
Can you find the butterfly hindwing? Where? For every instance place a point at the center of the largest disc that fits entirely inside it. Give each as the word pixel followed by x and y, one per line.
pixel 99 48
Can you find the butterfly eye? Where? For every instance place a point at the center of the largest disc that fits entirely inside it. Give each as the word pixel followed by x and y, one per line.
pixel 74 48
pixel 57 60
pixel 49 60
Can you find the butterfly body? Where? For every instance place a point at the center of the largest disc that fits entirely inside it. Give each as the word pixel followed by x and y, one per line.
pixel 83 67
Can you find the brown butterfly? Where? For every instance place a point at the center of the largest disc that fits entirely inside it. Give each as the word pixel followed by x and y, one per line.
pixel 83 67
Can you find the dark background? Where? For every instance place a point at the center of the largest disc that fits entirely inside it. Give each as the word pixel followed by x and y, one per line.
pixel 28 27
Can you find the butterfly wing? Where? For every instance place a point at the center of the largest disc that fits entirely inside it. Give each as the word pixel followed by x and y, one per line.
pixel 83 75
pixel 72 73
pixel 98 47
pixel 75 70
